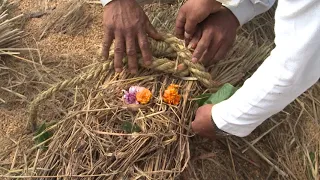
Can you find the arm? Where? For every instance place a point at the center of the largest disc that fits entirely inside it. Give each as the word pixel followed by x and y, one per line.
pixel 246 10
pixel 292 67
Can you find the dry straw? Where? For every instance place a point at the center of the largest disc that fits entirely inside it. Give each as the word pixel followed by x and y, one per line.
pixel 89 139
pixel 69 17
pixel 88 136
pixel 9 35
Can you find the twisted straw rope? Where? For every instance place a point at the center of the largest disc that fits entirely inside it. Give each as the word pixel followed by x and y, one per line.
pixel 170 46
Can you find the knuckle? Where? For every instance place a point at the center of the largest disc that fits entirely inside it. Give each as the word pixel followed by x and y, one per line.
pixel 129 29
pixel 144 45
pixel 131 52
pixel 105 44
pixel 118 50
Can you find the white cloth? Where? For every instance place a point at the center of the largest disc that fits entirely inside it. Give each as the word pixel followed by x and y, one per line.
pixel 105 2
pixel 292 67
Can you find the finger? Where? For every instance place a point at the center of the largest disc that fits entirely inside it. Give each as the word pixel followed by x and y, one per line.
pixel 119 50
pixel 196 126
pixel 107 42
pixel 207 57
pixel 152 32
pixel 181 67
pixel 145 49
pixel 131 53
pixel 190 28
pixel 222 51
pixel 202 46
pixel 180 23
pixel 195 39
pixel 216 7
pixel 203 129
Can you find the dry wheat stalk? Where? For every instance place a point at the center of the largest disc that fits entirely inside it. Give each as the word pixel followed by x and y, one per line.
pixel 9 35
pixel 69 18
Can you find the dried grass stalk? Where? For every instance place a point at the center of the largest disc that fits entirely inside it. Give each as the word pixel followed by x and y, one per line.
pixel 9 35
pixel 69 18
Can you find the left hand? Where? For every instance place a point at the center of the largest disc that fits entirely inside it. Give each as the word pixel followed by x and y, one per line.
pixel 191 14
pixel 203 123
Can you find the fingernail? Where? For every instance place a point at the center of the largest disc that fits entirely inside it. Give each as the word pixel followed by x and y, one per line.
pixel 148 63
pixel 118 70
pixel 188 36
pixel 133 71
pixel 190 46
pixel 194 60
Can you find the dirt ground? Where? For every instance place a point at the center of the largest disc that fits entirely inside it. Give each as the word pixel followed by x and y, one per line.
pixel 287 144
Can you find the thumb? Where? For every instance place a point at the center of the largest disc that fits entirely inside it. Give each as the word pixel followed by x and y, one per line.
pixel 196 125
pixel 216 7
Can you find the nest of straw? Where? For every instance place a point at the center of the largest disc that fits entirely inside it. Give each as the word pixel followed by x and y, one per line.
pixel 89 138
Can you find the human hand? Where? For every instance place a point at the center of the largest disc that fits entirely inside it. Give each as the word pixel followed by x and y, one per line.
pixel 126 22
pixel 203 124
pixel 191 14
pixel 214 37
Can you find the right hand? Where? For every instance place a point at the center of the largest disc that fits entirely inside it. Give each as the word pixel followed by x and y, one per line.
pixel 126 22
pixel 214 37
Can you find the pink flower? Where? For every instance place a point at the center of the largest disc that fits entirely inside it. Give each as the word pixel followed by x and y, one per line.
pixel 130 96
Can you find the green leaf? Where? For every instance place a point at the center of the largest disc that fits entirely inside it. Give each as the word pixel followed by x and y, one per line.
pixel 130 128
pixel 310 167
pixel 312 157
pixel 45 135
pixel 203 98
pixel 225 92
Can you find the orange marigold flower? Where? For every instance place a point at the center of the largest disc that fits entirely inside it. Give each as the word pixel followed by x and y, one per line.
pixel 171 95
pixel 143 96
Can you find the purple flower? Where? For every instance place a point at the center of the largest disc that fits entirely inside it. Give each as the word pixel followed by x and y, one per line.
pixel 130 97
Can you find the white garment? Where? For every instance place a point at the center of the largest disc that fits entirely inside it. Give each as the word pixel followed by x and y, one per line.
pixel 105 2
pixel 292 67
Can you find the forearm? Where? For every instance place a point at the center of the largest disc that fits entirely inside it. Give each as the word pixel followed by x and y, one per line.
pixel 293 67
pixel 246 10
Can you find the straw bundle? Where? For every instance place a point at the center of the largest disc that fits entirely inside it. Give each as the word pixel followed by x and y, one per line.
pixel 9 35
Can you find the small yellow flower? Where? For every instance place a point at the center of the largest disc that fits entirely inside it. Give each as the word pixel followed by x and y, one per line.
pixel 171 95
pixel 143 96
